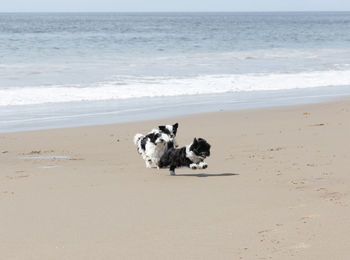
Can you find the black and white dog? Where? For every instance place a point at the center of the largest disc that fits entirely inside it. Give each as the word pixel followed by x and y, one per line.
pixel 191 156
pixel 153 145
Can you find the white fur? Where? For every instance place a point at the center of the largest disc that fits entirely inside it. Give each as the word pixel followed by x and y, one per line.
pixel 153 152
pixel 172 137
pixel 137 138
pixel 194 166
pixel 198 162
pixel 191 155
pixel 202 165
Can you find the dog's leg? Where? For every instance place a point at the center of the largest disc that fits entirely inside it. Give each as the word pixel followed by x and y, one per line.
pixel 148 163
pixel 172 170
pixel 155 162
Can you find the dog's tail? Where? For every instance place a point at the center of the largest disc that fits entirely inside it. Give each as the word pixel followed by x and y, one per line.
pixel 137 137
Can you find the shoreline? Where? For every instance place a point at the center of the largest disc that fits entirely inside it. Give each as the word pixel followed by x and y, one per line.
pixel 276 188
pixel 62 115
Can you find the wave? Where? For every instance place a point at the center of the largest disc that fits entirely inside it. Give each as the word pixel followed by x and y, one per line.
pixel 141 87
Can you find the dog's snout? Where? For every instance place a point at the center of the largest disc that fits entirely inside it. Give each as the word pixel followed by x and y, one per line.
pixel 205 154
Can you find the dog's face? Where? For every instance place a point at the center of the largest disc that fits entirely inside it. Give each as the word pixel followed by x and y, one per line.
pixel 200 147
pixel 169 129
pixel 161 138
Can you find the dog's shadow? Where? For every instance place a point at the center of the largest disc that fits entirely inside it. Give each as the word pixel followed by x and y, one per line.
pixel 207 174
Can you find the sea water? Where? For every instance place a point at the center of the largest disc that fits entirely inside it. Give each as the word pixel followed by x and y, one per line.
pixel 67 69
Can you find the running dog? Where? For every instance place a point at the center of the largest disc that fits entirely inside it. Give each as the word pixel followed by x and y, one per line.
pixel 153 145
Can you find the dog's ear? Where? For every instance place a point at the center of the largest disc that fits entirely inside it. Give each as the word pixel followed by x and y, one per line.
pixel 175 126
pixel 161 127
pixel 153 137
pixel 194 144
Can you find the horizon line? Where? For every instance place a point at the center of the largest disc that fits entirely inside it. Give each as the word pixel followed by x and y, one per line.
pixel 304 11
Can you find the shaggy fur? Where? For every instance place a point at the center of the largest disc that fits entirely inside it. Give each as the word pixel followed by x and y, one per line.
pixel 191 156
pixel 153 145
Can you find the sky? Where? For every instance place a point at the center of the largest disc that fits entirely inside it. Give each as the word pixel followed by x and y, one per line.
pixel 172 5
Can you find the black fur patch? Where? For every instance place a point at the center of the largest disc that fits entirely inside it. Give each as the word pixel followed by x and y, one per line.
pixel 200 147
pixel 152 137
pixel 164 129
pixel 174 158
pixel 175 126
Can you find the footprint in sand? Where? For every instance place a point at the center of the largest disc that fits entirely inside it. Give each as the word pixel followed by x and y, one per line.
pixel 298 182
pixel 6 193
pixel 265 231
pixel 305 219
pixel 332 196
pixel 276 149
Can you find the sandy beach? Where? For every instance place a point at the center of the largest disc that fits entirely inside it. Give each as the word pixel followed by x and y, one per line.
pixel 277 187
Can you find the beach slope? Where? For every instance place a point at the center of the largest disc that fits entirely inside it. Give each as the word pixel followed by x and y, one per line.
pixel 277 187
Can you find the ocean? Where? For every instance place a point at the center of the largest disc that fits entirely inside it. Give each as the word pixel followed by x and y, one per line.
pixel 71 69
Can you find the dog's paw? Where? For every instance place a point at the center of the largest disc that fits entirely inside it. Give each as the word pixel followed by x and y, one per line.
pixel 172 173
pixel 149 163
pixel 203 165
pixel 193 166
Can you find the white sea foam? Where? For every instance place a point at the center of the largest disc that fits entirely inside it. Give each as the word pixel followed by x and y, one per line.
pixel 125 88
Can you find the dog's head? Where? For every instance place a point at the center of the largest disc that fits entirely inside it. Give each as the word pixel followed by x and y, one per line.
pixel 200 147
pixel 170 130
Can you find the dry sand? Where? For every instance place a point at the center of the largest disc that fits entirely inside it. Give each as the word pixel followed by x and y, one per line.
pixel 277 187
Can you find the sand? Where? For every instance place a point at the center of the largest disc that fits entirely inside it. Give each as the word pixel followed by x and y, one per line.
pixel 277 187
